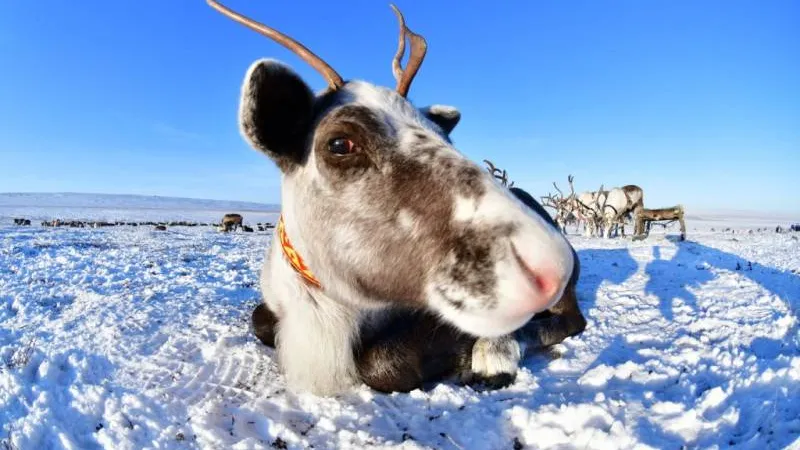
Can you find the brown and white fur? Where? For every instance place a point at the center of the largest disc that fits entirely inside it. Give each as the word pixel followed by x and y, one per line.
pixel 585 208
pixel 619 205
pixel 429 268
pixel 606 210
pixel 635 196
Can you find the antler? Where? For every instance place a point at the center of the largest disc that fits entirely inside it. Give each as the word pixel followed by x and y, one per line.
pixel 597 199
pixel 334 80
pixel 497 173
pixel 557 189
pixel 492 169
pixel 549 200
pixel 570 179
pixel 418 49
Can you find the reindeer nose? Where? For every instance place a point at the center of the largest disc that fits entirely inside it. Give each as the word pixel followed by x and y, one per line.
pixel 543 282
pixel 546 282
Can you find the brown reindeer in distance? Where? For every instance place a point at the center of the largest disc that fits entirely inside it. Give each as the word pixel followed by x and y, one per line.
pixel 231 222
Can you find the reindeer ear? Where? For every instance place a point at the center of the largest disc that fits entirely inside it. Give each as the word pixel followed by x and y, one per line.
pixel 275 112
pixel 446 117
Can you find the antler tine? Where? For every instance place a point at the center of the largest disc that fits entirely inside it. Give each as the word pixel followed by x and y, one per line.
pixel 547 200
pixel 397 69
pixel 501 175
pixel 597 198
pixel 334 80
pixel 492 169
pixel 419 47
pixel 559 190
pixel 570 178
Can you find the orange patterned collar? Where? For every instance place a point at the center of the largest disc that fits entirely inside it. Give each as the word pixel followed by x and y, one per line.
pixel 294 258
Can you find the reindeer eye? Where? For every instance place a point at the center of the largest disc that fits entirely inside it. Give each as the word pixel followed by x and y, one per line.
pixel 341 146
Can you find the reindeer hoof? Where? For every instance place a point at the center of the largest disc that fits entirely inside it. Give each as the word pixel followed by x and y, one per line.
pixel 494 362
pixel 264 323
pixel 490 383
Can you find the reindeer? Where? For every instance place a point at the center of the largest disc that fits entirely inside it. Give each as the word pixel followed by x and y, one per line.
pixel 616 206
pixel 611 206
pixel 396 260
pixel 231 222
pixel 605 211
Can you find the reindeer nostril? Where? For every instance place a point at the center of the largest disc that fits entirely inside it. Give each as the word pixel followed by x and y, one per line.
pixel 545 281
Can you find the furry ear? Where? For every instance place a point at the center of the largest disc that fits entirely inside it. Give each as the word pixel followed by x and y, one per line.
pixel 275 112
pixel 446 117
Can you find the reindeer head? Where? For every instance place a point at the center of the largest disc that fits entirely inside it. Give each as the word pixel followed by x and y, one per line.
pixel 381 206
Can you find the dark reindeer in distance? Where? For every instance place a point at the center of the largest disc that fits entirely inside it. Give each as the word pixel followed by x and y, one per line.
pixel 396 260
pixel 231 222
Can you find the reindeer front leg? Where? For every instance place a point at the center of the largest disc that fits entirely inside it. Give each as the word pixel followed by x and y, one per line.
pixel 494 362
pixel 404 359
pixel 410 350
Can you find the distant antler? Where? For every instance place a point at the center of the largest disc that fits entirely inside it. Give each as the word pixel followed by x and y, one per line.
pixel 492 169
pixel 549 200
pixel 557 189
pixel 334 80
pixel 600 208
pixel 501 175
pixel 418 49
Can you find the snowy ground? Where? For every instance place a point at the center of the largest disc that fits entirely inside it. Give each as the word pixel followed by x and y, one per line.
pixel 131 338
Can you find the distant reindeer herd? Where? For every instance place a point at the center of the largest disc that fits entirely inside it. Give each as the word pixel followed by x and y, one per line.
pixel 602 212
pixel 230 222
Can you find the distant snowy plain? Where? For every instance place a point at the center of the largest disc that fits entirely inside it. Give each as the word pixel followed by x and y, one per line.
pixel 130 338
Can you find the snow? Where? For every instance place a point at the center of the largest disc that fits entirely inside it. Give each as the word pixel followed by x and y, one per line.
pixel 129 338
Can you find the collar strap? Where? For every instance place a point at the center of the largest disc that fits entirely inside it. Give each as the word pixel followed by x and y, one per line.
pixel 294 258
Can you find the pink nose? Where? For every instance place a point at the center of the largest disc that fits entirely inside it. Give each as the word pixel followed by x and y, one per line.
pixel 546 282
pixel 543 283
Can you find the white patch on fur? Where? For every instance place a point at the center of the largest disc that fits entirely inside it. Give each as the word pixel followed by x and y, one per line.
pixel 315 333
pixel 443 110
pixel 498 205
pixel 405 220
pixel 616 203
pixel 379 98
pixel 494 356
pixel 397 111
pixel 464 209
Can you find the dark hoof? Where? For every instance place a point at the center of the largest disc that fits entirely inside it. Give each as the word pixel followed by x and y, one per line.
pixel 264 324
pixel 489 382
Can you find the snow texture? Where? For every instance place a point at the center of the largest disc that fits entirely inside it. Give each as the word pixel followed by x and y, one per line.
pixel 130 338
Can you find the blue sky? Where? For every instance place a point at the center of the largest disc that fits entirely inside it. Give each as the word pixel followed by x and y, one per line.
pixel 698 102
